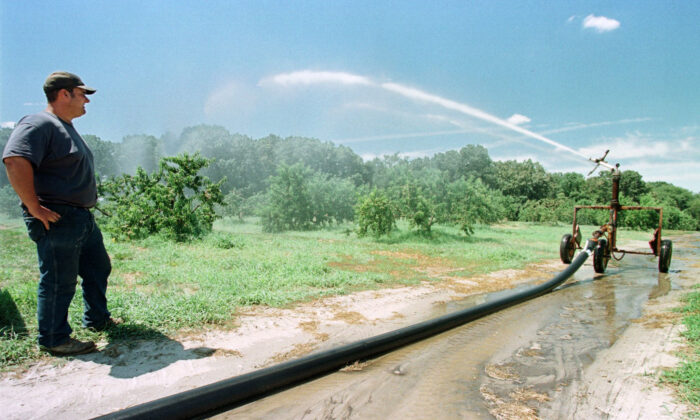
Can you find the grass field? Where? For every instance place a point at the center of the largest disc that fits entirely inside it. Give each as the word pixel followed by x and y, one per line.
pixel 159 287
pixel 687 375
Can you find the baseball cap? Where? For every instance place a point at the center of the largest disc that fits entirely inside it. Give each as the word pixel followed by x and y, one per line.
pixel 64 80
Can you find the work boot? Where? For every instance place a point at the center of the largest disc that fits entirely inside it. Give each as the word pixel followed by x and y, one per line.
pixel 71 347
pixel 109 323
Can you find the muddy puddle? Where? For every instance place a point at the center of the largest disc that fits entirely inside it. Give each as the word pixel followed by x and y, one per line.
pixel 526 362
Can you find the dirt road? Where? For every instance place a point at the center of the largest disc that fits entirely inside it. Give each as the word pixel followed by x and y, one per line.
pixel 592 349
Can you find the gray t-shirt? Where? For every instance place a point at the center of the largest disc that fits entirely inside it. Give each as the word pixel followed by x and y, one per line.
pixel 64 171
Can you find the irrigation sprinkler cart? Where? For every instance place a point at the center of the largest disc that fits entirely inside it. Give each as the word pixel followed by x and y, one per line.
pixel 606 236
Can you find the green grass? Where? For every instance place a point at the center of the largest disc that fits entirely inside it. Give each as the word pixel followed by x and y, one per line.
pixel 160 288
pixel 687 376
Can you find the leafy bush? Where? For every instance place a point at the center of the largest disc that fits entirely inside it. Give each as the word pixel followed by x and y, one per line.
pixel 673 217
pixel 299 199
pixel 640 219
pixel 289 206
pixel 417 208
pixel 679 219
pixel 332 199
pixel 173 201
pixel 471 202
pixel 375 214
pixel 548 210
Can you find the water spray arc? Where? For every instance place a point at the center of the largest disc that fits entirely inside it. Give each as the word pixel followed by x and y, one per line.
pixel 307 77
pixel 477 113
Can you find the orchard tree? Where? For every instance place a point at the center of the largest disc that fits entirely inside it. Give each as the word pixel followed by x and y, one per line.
pixel 417 208
pixel 526 179
pixel 174 201
pixel 569 184
pixel 332 199
pixel 632 185
pixel 289 201
pixel 471 202
pixel 375 215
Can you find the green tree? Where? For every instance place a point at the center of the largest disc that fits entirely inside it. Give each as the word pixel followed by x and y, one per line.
pixel 417 208
pixel 174 201
pixel 598 189
pixel 694 209
pixel 547 210
pixel 526 179
pixel 471 202
pixel 671 194
pixel 289 205
pixel 332 199
pixel 570 184
pixel 632 185
pixel 375 215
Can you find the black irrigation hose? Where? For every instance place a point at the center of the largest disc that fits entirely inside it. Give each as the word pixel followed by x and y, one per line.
pixel 234 392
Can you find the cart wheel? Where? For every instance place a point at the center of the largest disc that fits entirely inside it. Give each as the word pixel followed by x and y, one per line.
pixel 665 255
pixel 566 249
pixel 600 260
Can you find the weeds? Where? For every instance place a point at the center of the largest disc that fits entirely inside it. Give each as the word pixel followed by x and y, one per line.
pixel 687 375
pixel 159 287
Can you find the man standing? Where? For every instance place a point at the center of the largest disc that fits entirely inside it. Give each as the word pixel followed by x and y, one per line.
pixel 52 170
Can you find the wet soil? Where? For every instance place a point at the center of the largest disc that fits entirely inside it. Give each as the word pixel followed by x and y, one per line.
pixel 592 349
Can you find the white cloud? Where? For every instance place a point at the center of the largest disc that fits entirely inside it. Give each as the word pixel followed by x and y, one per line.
pixel 308 77
pixel 517 119
pixel 600 24
pixel 672 160
pixel 571 19
pixel 8 124
pixel 635 146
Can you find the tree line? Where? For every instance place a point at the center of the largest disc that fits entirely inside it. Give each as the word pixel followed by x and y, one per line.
pixel 298 183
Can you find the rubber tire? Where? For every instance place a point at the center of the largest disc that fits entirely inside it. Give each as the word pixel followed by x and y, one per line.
pixel 600 263
pixel 665 255
pixel 566 249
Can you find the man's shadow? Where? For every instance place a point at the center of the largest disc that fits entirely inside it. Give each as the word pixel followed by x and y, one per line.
pixel 135 350
pixel 11 321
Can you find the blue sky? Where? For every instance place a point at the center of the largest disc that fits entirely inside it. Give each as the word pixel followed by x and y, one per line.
pixel 381 77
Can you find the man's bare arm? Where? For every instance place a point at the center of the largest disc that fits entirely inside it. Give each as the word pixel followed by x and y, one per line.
pixel 21 175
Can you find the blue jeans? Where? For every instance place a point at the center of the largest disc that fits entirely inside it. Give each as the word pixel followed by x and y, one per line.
pixel 72 246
